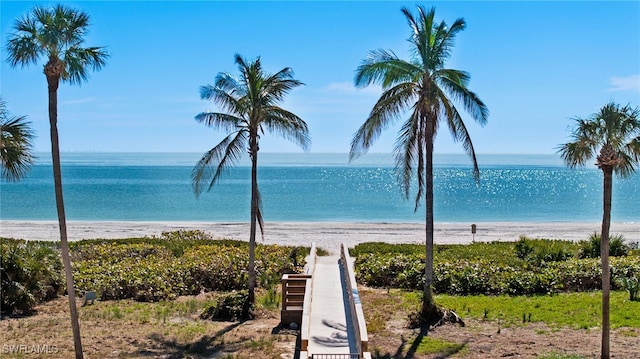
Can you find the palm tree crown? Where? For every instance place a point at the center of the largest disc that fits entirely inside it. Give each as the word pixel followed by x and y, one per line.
pixel 16 148
pixel 250 102
pixel 426 88
pixel 58 34
pixel 612 136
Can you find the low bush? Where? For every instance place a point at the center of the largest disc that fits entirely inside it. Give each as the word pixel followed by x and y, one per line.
pixel 478 275
pixel 632 285
pixel 162 269
pixel 591 247
pixel 234 306
pixel 144 269
pixel 30 272
pixel 538 251
pixel 175 242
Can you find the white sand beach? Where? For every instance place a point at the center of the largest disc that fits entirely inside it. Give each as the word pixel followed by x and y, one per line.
pixel 328 235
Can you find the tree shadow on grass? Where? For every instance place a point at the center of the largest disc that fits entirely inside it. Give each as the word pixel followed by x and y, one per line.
pixel 204 347
pixel 446 352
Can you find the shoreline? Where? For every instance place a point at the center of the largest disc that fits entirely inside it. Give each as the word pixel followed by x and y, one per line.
pixel 328 235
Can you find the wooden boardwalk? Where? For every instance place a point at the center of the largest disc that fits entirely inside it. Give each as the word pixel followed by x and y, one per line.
pixel 330 324
pixel 332 321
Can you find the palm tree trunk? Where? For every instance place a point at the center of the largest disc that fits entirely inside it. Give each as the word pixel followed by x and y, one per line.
pixel 604 256
pixel 428 304
pixel 53 82
pixel 254 215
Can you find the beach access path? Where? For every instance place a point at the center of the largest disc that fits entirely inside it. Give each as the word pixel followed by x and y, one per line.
pixel 330 325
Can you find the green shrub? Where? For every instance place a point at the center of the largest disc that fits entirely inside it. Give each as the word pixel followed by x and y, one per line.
pixel 175 242
pixel 538 251
pixel 591 248
pixel 493 251
pixel 632 285
pixel 498 252
pixel 156 271
pixel 524 248
pixel 30 272
pixel 495 276
pixel 115 252
pixel 231 307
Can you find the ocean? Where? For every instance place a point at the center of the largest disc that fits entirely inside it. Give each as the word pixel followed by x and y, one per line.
pixel 316 188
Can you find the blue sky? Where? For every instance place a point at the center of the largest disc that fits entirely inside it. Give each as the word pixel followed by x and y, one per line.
pixel 535 64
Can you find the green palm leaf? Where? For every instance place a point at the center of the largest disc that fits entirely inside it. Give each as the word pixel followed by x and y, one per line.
pixel 16 149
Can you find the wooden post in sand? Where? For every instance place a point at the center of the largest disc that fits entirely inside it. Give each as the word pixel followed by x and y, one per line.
pixel 473 232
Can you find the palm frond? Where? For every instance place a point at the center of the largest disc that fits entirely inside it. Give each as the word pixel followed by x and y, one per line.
pixel 455 83
pixel 226 83
pixel 385 68
pixel 226 99
pixel 287 125
pixel 220 121
pixel 276 86
pixel 217 160
pixel 79 60
pixel 23 45
pixel 407 152
pixel 446 36
pixel 386 110
pixel 460 133
pixel 16 147
pixel 259 217
pixel 633 149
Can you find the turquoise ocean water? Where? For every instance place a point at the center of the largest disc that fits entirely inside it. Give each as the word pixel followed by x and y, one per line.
pixel 316 188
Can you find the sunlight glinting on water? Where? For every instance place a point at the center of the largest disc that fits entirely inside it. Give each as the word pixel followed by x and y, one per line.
pixel 120 188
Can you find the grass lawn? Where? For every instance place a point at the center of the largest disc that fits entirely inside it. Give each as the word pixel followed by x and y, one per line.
pixel 561 326
pixel 572 310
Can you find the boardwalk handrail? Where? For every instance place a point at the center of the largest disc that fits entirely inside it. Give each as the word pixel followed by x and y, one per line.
pixel 310 268
pixel 357 315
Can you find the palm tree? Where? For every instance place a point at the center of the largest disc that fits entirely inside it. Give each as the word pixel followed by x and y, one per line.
pixel 250 102
pixel 612 135
pixel 16 154
pixel 427 88
pixel 57 35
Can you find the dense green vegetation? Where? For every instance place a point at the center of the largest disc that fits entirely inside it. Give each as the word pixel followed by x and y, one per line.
pixel 144 269
pixel 30 272
pixel 528 266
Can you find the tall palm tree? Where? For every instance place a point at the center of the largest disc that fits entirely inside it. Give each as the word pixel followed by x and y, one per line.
pixel 250 105
pixel 612 135
pixel 425 87
pixel 57 35
pixel 16 154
